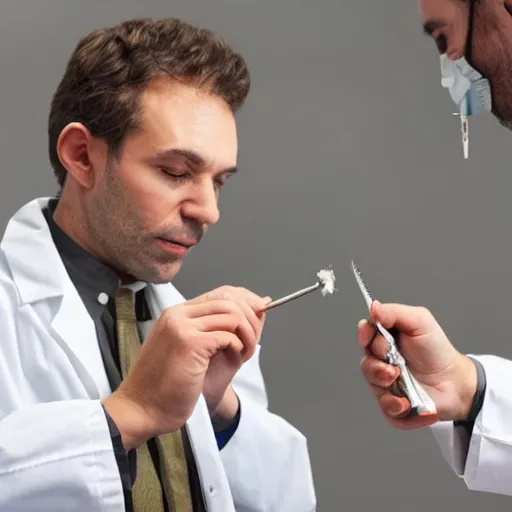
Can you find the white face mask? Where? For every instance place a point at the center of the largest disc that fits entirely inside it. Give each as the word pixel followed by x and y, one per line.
pixel 468 89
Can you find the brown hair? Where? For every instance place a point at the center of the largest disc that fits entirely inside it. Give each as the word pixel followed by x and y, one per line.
pixel 109 69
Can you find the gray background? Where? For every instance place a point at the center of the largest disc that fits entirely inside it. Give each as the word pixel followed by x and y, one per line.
pixel 348 149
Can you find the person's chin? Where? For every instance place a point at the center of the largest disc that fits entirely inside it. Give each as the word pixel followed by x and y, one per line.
pixel 166 273
pixel 158 272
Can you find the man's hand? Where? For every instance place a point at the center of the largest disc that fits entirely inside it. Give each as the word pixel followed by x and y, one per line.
pixel 217 390
pixel 448 376
pixel 193 348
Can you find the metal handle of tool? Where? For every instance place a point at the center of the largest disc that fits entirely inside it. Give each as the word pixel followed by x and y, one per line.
pixel 407 386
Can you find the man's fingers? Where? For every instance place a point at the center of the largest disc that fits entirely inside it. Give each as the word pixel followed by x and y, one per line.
pixel 223 340
pixel 256 302
pixel 410 320
pixel 365 333
pixel 370 339
pixel 396 411
pixel 223 300
pixel 250 315
pixel 219 322
pixel 377 372
pixel 251 304
pixel 380 376
pixel 233 322
pixel 210 307
pixel 391 405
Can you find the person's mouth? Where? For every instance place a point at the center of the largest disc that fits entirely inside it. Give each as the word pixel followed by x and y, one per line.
pixel 176 246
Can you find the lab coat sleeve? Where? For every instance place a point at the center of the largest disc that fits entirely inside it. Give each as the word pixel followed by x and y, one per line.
pixel 484 460
pixel 266 460
pixel 58 456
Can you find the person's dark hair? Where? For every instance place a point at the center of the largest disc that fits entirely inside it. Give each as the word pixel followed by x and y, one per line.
pixel 109 69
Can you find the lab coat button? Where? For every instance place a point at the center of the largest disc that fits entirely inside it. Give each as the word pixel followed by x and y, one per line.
pixel 103 298
pixel 211 488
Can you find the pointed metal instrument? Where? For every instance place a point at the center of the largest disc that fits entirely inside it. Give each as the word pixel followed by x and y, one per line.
pixel 406 385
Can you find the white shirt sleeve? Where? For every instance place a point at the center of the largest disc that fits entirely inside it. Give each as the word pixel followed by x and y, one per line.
pixel 484 461
pixel 58 456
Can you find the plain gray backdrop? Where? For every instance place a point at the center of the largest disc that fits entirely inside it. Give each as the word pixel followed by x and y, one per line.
pixel 348 148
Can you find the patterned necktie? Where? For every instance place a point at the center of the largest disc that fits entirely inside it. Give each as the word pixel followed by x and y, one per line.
pixel 146 492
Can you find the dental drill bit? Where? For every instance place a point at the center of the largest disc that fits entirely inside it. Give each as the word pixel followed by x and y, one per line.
pixel 326 279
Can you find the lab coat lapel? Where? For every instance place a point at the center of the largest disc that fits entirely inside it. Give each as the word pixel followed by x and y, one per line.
pixel 202 437
pixel 40 276
pixel 75 328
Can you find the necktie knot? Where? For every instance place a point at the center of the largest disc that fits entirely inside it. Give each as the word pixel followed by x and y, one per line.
pixel 125 305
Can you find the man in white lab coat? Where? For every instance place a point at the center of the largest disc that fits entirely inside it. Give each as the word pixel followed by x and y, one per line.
pixel 473 395
pixel 116 393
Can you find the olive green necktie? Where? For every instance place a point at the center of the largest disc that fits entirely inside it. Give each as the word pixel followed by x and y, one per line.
pixel 146 492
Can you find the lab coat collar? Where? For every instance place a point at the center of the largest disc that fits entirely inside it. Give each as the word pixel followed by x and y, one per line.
pixel 27 240
pixel 40 276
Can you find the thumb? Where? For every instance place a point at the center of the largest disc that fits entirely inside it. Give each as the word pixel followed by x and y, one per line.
pixel 410 320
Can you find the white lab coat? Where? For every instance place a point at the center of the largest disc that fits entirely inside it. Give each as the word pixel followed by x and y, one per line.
pixel 484 461
pixel 55 450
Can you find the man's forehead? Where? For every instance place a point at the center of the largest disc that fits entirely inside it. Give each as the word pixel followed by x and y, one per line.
pixel 441 3
pixel 440 8
pixel 181 116
pixel 184 102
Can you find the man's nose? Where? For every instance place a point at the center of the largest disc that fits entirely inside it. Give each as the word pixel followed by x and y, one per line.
pixel 202 206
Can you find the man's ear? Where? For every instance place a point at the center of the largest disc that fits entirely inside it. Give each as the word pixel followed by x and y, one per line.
pixel 74 147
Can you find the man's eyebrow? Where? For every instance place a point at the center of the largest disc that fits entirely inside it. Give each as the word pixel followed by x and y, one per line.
pixel 432 25
pixel 192 156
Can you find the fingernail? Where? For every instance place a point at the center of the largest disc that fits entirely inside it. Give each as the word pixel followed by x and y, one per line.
pixel 361 322
pixel 386 376
pixel 395 409
pixel 267 300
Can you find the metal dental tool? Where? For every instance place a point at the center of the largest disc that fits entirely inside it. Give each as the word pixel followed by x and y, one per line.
pixel 465 135
pixel 406 385
pixel 464 125
pixel 325 281
pixel 464 128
